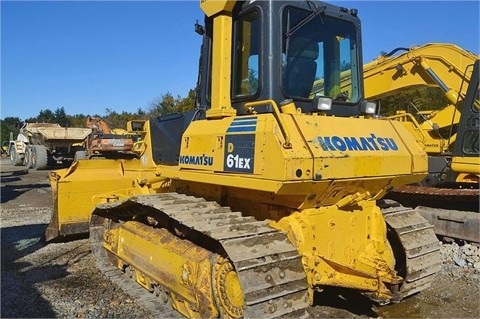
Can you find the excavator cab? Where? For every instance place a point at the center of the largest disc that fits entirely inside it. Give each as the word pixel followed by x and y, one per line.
pixel 465 157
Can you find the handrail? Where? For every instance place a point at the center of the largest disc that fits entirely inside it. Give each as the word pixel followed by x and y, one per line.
pixel 249 107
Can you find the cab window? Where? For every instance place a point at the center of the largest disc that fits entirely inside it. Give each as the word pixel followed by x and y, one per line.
pixel 245 73
pixel 320 57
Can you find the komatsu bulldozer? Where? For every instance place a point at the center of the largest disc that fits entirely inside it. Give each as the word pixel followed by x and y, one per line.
pixel 262 195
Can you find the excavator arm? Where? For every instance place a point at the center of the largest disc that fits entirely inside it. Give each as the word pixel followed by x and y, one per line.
pixel 441 65
pixel 98 125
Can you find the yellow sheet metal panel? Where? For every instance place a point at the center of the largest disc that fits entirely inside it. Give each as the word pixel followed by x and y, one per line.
pixel 465 164
pixel 360 257
pixel 203 145
pixel 344 148
pixel 88 182
pixel 250 145
pixel 183 268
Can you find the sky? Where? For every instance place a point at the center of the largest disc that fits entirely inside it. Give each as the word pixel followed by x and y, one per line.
pixel 90 56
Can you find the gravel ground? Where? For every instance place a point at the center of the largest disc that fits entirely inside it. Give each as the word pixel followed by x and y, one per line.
pixel 48 281
pixel 61 281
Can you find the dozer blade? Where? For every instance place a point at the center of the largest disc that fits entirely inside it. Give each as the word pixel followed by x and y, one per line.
pixel 78 189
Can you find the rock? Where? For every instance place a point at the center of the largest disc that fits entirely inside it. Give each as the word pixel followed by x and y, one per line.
pixel 459 261
pixel 469 250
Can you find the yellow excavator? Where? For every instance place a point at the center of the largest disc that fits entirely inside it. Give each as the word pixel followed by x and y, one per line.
pixel 449 134
pixel 260 197
pixel 442 65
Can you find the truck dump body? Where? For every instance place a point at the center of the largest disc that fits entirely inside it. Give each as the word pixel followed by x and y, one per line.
pixel 73 134
pixel 45 133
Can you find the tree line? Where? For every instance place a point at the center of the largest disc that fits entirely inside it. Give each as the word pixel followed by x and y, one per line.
pixel 419 99
pixel 166 104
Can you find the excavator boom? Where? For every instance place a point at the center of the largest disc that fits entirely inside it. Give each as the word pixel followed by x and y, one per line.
pixel 440 65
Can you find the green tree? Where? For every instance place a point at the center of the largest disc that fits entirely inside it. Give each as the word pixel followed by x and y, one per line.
pixel 44 116
pixel 187 103
pixel 61 118
pixel 117 120
pixel 167 104
pixel 250 84
pixel 7 125
pixel 141 114
pixel 77 120
pixel 413 100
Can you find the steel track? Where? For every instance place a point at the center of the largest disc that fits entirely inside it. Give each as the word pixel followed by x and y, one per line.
pixel 268 265
pixel 417 250
pixel 454 212
pixel 465 199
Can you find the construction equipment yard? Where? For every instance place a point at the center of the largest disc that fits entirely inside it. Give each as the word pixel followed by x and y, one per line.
pixel 60 280
pixel 270 197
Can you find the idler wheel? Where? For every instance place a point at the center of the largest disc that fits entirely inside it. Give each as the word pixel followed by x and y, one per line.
pixel 227 289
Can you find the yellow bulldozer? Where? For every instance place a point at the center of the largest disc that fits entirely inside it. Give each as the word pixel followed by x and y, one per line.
pixel 262 195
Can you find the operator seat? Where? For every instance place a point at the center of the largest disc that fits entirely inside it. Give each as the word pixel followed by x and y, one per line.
pixel 301 67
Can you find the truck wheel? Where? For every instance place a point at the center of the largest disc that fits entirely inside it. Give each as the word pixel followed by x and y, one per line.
pixel 15 158
pixel 27 160
pixel 39 158
pixel 79 155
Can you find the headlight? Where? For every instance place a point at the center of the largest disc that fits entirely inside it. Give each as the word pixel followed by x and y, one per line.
pixel 368 108
pixel 321 103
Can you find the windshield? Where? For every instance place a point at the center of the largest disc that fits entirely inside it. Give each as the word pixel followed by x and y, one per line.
pixel 319 56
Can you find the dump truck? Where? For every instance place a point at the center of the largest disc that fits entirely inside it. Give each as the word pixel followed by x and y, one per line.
pixel 42 145
pixel 260 197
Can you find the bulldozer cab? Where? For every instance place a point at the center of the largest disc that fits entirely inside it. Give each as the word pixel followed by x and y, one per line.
pixel 309 46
